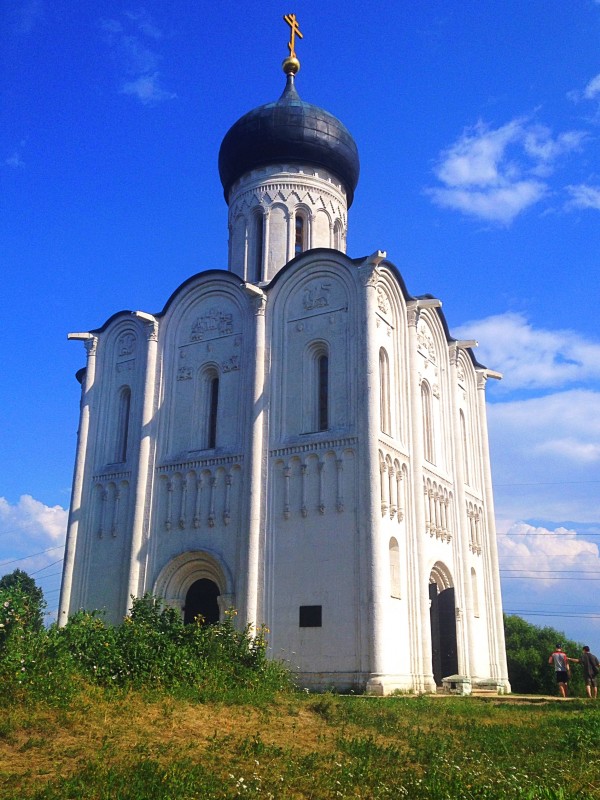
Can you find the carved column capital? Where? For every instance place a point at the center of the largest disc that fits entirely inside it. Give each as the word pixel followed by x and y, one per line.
pixel 91 346
pixel 152 331
pixel 453 353
pixel 370 275
pixel 412 314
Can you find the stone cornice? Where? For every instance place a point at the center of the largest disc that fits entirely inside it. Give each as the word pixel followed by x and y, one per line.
pixel 311 447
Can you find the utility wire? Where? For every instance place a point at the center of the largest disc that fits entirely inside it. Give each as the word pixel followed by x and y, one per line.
pixel 24 558
pixel 46 567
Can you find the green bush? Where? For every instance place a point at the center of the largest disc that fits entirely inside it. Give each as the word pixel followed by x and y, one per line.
pixel 151 650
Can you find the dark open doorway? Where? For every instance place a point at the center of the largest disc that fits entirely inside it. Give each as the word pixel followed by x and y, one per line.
pixel 201 598
pixel 443 633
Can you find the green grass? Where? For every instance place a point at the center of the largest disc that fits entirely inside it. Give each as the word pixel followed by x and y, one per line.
pixel 153 709
pixel 130 746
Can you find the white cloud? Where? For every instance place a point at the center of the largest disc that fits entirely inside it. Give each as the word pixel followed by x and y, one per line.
pixel 545 455
pixel 543 417
pixel 147 89
pixel 549 576
pixel 592 89
pixel 566 424
pixel 545 554
pixel 495 174
pixel 531 358
pixel 31 519
pixel 128 41
pixel 14 161
pixel 584 196
pixel 500 204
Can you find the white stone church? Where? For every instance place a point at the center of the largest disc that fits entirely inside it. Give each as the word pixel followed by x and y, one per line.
pixel 297 437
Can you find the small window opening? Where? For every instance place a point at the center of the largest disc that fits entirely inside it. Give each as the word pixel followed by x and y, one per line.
pixel 311 616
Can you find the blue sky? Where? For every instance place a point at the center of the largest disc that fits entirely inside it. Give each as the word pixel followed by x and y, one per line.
pixel 477 125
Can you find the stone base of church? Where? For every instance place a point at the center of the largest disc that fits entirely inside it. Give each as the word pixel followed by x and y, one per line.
pixel 364 683
pixel 343 682
pixel 385 684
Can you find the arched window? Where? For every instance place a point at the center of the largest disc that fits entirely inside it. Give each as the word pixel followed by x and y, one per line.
pixel 322 364
pixel 213 405
pixel 475 593
pixel 337 235
pixel 465 449
pixel 394 552
pixel 299 235
pixel 123 425
pixel 428 437
pixel 384 391
pixel 257 266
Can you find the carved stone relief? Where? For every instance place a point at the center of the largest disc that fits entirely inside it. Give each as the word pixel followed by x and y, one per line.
pixel 126 344
pixel 211 325
pixel 316 295
pixel 383 302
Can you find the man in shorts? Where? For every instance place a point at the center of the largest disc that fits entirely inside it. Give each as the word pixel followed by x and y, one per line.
pixel 590 665
pixel 561 666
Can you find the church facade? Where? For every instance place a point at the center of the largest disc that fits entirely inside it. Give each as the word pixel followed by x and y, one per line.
pixel 296 437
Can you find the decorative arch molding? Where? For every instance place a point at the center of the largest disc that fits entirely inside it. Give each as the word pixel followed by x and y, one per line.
pixel 176 578
pixel 441 576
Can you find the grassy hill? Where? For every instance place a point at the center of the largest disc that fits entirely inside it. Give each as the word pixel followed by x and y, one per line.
pixel 153 709
pixel 129 745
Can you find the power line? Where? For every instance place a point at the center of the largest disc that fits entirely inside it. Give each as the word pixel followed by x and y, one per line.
pixel 539 578
pixel 581 615
pixel 24 558
pixel 547 533
pixel 52 575
pixel 46 567
pixel 554 571
pixel 546 483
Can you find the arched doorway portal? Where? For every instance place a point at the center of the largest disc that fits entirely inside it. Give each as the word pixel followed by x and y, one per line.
pixel 442 612
pixel 202 599
pixel 196 582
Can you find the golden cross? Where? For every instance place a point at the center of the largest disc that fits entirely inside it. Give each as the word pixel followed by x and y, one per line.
pixel 294 31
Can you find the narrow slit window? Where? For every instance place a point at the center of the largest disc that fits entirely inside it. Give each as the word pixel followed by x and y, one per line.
pixel 258 247
pixel 299 235
pixel 123 425
pixel 465 446
pixel 323 392
pixel 475 593
pixel 394 554
pixel 427 423
pixel 384 391
pixel 213 404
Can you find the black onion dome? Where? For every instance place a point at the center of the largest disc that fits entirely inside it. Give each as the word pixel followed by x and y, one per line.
pixel 289 131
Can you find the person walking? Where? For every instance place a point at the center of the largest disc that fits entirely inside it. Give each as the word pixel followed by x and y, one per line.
pixel 562 669
pixel 590 665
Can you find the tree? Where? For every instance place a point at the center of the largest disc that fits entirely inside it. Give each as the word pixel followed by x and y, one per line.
pixel 19 585
pixel 528 648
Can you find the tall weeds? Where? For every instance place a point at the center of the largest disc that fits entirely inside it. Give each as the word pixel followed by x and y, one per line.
pixel 151 650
